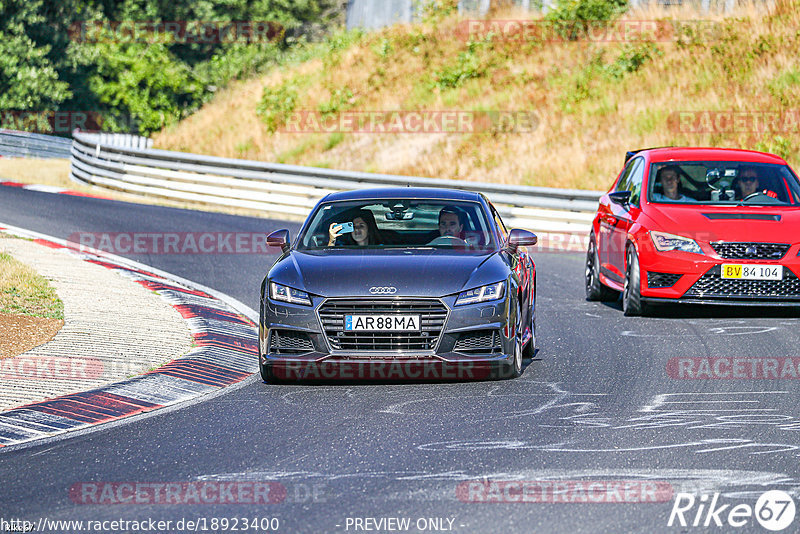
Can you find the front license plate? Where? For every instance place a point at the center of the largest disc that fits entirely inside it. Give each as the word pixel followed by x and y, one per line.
pixel 752 272
pixel 388 323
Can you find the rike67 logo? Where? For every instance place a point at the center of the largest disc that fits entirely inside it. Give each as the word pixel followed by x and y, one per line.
pixel 774 510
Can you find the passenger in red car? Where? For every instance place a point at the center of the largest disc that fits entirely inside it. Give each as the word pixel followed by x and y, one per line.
pixel 671 185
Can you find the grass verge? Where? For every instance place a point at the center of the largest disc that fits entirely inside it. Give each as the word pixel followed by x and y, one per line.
pixel 24 292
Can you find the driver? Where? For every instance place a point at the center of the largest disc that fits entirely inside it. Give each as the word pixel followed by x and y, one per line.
pixel 452 222
pixel 748 183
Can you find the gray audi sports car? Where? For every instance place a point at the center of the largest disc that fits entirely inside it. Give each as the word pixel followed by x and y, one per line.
pixel 399 283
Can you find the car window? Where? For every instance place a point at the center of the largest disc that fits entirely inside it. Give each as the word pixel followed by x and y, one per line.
pixel 500 225
pixel 624 181
pixel 635 181
pixel 399 223
pixel 725 182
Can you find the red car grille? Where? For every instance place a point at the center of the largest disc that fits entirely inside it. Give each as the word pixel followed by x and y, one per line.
pixel 750 251
pixel 712 285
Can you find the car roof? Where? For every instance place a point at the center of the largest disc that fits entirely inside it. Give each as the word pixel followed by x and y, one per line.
pixel 709 154
pixel 403 192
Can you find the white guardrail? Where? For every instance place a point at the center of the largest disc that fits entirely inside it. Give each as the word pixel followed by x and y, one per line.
pixel 16 144
pixel 291 191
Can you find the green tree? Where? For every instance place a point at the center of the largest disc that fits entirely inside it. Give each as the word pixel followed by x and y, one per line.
pixel 28 79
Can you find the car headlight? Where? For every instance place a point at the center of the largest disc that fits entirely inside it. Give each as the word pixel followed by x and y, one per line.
pixel 665 242
pixel 288 294
pixel 482 294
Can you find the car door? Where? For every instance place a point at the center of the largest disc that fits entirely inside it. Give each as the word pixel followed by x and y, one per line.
pixel 616 220
pixel 626 216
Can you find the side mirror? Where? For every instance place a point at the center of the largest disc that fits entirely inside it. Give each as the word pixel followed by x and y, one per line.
pixel 520 238
pixel 622 198
pixel 279 238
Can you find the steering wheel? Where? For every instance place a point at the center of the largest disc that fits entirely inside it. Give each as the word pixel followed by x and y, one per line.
pixel 757 193
pixel 449 241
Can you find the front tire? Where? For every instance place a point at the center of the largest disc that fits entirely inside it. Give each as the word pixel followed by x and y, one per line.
pixel 516 370
pixel 595 290
pixel 530 349
pixel 632 304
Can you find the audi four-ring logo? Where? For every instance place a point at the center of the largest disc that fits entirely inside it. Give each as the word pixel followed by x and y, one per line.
pixel 383 290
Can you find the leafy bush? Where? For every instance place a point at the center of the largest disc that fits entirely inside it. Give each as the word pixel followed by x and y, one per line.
pixel 468 65
pixel 571 18
pixel 277 104
pixel 340 100
pixel 631 59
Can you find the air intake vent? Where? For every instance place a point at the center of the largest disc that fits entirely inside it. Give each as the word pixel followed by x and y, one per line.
pixel 662 280
pixel 289 342
pixel 743 216
pixel 479 342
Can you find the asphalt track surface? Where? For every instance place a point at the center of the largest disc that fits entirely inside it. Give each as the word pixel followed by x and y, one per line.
pixel 597 403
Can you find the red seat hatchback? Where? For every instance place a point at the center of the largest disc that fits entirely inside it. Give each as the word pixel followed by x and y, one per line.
pixel 697 225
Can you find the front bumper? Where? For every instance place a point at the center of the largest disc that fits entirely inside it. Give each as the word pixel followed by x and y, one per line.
pixel 699 280
pixel 459 343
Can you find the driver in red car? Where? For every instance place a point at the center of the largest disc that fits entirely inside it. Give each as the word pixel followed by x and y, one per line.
pixel 748 183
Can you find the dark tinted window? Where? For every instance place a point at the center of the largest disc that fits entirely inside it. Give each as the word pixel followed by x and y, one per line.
pixel 726 182
pixel 635 181
pixel 399 223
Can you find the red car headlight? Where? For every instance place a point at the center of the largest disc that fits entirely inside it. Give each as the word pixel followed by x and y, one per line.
pixel 665 242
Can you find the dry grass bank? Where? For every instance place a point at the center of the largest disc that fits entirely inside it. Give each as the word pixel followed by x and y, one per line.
pixel 594 99
pixel 24 292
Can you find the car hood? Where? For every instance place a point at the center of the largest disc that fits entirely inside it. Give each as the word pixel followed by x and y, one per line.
pixel 728 223
pixel 417 273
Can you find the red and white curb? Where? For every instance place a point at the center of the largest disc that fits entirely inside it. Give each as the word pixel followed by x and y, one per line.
pixel 48 189
pixel 225 353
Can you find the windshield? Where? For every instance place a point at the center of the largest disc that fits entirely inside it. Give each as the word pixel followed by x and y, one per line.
pixel 723 182
pixel 398 223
